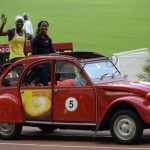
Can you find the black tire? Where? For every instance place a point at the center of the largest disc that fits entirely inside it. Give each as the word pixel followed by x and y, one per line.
pixel 46 128
pixel 10 130
pixel 126 127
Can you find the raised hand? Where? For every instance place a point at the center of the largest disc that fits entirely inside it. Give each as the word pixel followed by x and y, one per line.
pixel 4 19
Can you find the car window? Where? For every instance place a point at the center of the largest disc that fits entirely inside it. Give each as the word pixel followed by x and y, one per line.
pixel 38 75
pixel 13 76
pixel 66 70
pixel 68 74
pixel 101 69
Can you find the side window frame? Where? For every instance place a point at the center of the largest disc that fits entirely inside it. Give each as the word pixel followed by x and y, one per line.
pixel 73 74
pixel 29 69
pixel 65 69
pixel 12 77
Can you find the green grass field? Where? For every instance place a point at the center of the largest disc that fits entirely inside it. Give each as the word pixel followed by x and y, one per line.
pixel 104 26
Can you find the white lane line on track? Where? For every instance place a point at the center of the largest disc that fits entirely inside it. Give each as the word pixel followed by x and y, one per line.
pixel 72 146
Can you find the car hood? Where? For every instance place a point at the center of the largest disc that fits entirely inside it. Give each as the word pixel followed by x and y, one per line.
pixel 140 88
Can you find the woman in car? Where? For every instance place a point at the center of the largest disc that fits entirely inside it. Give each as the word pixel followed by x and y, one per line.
pixel 42 43
pixel 16 37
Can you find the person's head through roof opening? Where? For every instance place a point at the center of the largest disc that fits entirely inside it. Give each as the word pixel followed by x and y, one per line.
pixel 19 21
pixel 26 16
pixel 42 27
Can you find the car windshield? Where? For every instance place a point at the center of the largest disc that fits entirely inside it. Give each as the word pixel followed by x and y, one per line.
pixel 101 69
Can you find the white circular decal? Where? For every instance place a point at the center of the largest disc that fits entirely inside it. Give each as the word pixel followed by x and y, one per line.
pixel 71 104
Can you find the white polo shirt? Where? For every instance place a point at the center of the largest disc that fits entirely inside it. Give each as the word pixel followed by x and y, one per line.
pixel 28 27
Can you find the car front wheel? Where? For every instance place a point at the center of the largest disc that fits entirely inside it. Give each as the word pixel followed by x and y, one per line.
pixel 9 130
pixel 126 127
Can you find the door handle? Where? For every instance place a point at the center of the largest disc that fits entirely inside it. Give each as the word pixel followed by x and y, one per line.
pixel 55 90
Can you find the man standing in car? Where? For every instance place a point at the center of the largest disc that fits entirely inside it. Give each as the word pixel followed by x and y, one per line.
pixel 27 26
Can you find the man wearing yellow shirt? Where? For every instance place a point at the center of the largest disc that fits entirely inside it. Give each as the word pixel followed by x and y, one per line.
pixel 16 37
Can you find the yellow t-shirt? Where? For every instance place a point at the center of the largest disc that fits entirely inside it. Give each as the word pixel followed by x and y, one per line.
pixel 16 46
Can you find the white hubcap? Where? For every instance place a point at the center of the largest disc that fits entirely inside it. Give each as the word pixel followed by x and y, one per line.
pixel 124 127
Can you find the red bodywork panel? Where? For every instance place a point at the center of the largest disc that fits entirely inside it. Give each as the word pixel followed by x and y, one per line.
pixel 11 107
pixel 63 102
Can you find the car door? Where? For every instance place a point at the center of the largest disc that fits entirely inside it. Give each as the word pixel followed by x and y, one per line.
pixel 73 103
pixel 36 92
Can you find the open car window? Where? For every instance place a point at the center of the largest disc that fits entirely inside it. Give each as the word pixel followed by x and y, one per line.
pixel 68 74
pixel 4 67
pixel 13 76
pixel 65 70
pixel 38 75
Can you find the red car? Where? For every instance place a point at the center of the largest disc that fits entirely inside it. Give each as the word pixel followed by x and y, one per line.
pixel 72 90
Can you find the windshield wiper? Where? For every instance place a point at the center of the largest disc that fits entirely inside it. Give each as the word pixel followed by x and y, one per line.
pixel 103 76
pixel 113 75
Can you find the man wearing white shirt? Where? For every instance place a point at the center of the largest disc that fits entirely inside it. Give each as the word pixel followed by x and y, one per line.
pixel 27 26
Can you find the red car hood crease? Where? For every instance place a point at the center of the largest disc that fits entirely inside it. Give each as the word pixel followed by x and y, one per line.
pixel 141 88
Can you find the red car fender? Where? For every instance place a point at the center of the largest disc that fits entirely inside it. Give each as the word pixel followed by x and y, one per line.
pixel 138 103
pixel 11 110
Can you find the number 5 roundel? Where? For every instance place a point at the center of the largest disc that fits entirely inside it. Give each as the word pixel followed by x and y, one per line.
pixel 71 104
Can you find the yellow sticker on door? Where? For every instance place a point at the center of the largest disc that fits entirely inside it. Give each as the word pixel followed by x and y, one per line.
pixel 37 104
